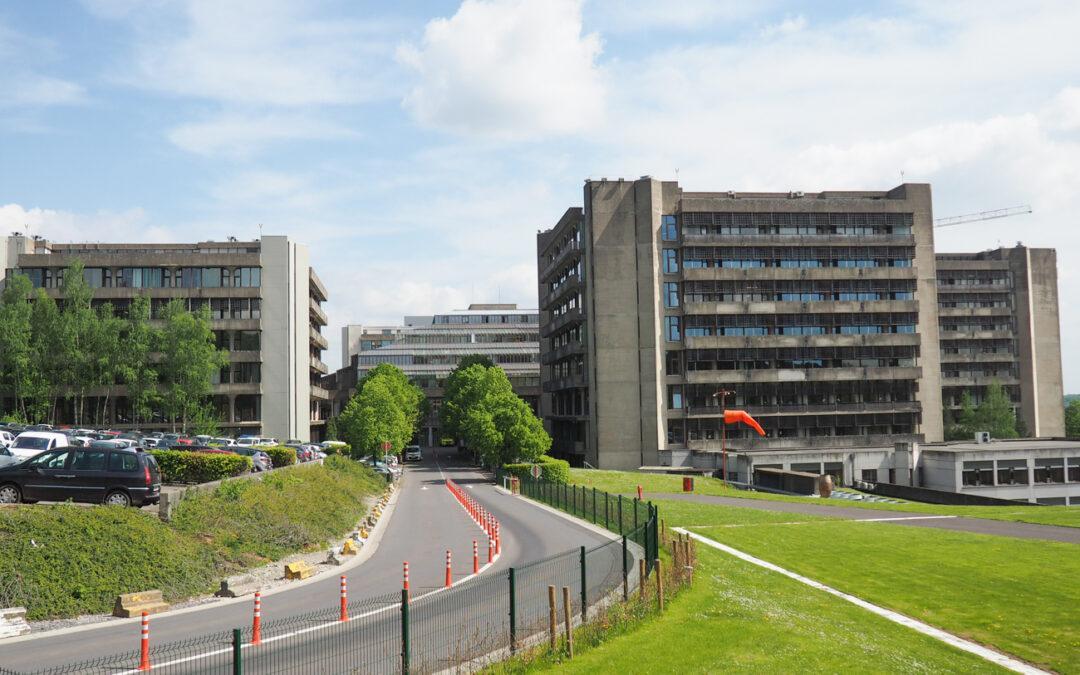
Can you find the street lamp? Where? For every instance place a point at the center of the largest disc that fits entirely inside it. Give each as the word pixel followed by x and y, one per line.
pixel 722 394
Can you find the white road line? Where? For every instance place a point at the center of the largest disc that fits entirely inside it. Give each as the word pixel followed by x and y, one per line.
pixel 998 658
pixel 889 520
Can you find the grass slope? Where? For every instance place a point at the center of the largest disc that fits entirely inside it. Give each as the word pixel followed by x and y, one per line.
pixel 740 618
pixel 65 560
pixel 626 482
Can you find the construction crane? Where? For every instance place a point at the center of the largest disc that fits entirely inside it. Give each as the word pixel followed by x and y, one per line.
pixel 982 215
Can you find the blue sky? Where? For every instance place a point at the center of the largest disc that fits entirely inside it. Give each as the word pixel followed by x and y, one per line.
pixel 417 147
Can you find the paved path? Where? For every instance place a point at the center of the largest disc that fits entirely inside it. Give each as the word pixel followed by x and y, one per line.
pixel 425 523
pixel 1001 528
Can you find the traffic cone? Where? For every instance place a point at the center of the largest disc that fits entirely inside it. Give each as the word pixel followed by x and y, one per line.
pixel 449 574
pixel 256 623
pixel 144 644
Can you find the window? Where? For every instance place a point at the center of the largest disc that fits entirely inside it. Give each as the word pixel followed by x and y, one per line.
pixel 1012 472
pixel 50 460
pixel 671 294
pixel 1050 470
pixel 123 461
pixel 674 367
pixel 671 261
pixel 675 397
pixel 211 277
pixel 978 473
pixel 1074 469
pixel 673 331
pixel 669 230
pixel 248 340
pixel 869 475
pixel 89 460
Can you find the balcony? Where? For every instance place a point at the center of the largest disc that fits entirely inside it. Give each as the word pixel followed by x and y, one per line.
pixel 319 366
pixel 801 375
pixel 817 307
pixel 796 274
pixel 978 380
pixel 316 287
pixel 1000 357
pixel 554 355
pixel 780 341
pixel 318 392
pixel 800 240
pixel 568 382
pixel 976 335
pixel 571 317
pixel 710 412
pixel 559 260
pixel 799 442
pixel 317 313
pixel 550 298
pixel 975 311
pixel 318 339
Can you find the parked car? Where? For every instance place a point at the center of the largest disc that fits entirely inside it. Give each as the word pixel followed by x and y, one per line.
pixel 260 461
pixel 7 458
pixel 40 427
pixel 80 441
pixel 248 441
pixel 224 442
pixel 103 473
pixel 30 443
pixel 413 453
pixel 6 438
pixel 150 442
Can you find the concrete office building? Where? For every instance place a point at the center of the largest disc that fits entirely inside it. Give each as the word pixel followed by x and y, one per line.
pixel 816 311
pixel 428 348
pixel 999 323
pixel 356 338
pixel 265 305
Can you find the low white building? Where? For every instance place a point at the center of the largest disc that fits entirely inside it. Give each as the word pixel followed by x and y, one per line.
pixel 1044 471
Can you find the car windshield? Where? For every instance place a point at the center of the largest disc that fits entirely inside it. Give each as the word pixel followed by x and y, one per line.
pixel 31 443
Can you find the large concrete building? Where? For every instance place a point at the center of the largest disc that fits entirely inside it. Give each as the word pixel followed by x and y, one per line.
pixel 265 305
pixel 816 312
pixel 428 348
pixel 999 323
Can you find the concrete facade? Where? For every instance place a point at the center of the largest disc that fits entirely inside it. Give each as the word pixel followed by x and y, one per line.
pixel 817 310
pixel 357 338
pixel 1043 471
pixel 265 305
pixel 999 323
pixel 428 348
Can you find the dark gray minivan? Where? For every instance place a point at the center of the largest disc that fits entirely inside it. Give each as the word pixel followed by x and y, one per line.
pixel 106 472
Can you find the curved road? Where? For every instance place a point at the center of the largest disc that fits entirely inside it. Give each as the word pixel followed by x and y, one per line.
pixel 426 521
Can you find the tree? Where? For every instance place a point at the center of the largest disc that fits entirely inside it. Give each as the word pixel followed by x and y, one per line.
pixel 189 359
pixel 82 363
pixel 374 417
pixel 332 429
pixel 1072 418
pixel 963 426
pixel 407 395
pixel 464 388
pixel 16 352
pixel 135 369
pixel 47 368
pixel 995 414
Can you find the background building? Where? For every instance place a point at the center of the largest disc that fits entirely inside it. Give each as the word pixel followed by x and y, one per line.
pixel 355 339
pixel 265 305
pixel 999 323
pixel 817 311
pixel 428 348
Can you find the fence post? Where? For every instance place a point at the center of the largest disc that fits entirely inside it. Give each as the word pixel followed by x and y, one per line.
pixel 607 510
pixel 660 584
pixel 620 514
pixel 636 502
pixel 405 631
pixel 625 573
pixel 237 642
pixel 584 588
pixel 513 614
pixel 594 506
pixel 567 621
pixel 553 619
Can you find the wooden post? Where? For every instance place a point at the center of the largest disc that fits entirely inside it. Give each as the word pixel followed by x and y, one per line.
pixel 663 531
pixel 660 584
pixel 569 624
pixel 688 562
pixel 676 564
pixel 641 578
pixel 553 617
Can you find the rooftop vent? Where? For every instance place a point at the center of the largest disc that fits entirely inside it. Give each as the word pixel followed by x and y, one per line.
pixel 982 437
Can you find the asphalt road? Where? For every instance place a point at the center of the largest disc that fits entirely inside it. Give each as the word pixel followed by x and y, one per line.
pixel 425 523
pixel 1001 528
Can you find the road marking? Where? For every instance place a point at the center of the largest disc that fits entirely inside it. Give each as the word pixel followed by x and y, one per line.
pixel 998 658
pixel 826 520
pixel 423 487
pixel 889 520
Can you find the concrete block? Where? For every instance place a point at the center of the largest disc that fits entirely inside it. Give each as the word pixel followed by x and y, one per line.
pixel 13 622
pixel 350 547
pixel 298 570
pixel 234 587
pixel 134 604
pixel 334 558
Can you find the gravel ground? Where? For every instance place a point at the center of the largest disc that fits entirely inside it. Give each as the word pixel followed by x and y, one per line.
pixel 265 578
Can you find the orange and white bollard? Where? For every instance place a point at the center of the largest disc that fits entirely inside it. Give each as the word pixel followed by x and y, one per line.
pixel 144 643
pixel 491 549
pixel 498 540
pixel 639 496
pixel 256 623
pixel 449 574
pixel 344 600
pixel 475 558
pixel 405 585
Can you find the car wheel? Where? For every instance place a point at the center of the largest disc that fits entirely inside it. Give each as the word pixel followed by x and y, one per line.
pixel 10 494
pixel 118 498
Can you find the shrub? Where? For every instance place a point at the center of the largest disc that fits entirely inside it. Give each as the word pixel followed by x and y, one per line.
pixel 552 470
pixel 182 466
pixel 280 455
pixel 343 450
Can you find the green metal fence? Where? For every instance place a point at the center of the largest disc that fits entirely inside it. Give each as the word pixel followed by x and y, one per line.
pixel 488 616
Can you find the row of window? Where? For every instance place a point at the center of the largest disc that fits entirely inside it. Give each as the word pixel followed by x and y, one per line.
pixel 702 258
pixel 789 290
pixel 465 338
pixel 974 324
pixel 571 239
pixel 235 308
pixel 973 279
pixel 485 318
pixel 801 224
pixel 238 340
pixel 238 373
pixel 570 273
pixel 760 395
pixel 575 335
pixel 573 365
pixel 1018 471
pixel 681 431
pixel 152 277
pixel 973 347
pixel 439 359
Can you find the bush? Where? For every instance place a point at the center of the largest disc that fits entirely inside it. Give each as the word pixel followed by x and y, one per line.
pixel 182 466
pixel 552 470
pixel 280 455
pixel 63 560
pixel 343 450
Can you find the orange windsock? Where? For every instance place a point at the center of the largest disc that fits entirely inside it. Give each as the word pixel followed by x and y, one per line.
pixel 736 416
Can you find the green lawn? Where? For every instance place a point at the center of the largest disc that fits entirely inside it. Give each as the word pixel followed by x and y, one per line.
pixel 741 618
pixel 626 482
pixel 1021 596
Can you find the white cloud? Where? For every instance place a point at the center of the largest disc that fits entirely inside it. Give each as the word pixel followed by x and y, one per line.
pixel 66 226
pixel 240 135
pixel 23 59
pixel 507 69
pixel 629 16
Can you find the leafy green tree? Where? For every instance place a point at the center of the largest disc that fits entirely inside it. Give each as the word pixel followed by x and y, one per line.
pixel 373 417
pixel 1072 418
pixel 189 359
pixel 136 369
pixel 996 414
pixel 464 388
pixel 475 359
pixel 47 353
pixel 16 352
pixel 408 396
pixel 331 429
pixel 80 330
pixel 963 425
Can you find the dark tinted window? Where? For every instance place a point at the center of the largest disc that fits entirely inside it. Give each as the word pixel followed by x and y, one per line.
pixel 123 461
pixel 89 460
pixel 51 460
pixel 31 443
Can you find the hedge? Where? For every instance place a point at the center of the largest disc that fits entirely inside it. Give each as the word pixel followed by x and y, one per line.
pixel 552 470
pixel 183 466
pixel 343 450
pixel 280 455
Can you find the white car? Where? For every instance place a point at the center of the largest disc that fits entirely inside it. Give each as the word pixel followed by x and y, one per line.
pixel 413 453
pixel 6 439
pixel 29 443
